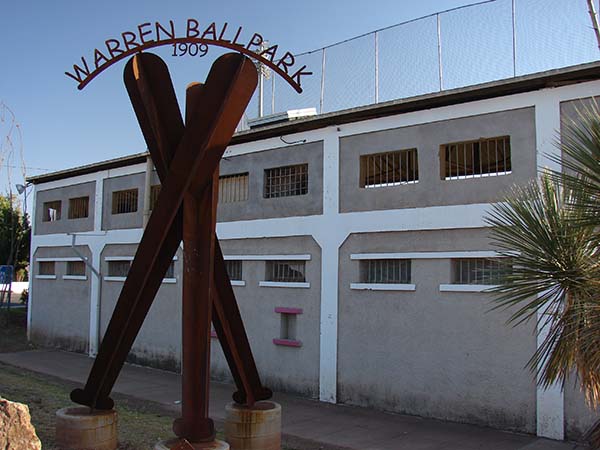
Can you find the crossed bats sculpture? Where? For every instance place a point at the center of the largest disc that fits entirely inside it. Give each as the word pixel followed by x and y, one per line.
pixel 186 156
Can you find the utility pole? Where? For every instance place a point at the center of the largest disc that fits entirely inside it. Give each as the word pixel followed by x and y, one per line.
pixel 594 17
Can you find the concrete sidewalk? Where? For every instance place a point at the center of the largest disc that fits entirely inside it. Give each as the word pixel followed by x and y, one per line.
pixel 333 425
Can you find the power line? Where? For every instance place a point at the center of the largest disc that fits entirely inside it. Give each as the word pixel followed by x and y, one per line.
pixel 9 166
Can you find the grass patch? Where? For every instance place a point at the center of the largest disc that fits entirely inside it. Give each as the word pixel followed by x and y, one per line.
pixel 13 324
pixel 141 423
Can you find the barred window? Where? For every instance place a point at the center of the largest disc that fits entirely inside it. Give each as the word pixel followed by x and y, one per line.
pixel 286 181
pixel 46 268
pixel 471 159
pixel 51 211
pixel 78 207
pixel 479 270
pixel 118 268
pixel 75 268
pixel 154 193
pixel 234 269
pixel 389 169
pixel 125 201
pixel 286 271
pixel 233 188
pixel 391 271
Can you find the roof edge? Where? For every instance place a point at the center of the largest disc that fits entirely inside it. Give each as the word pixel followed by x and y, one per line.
pixel 509 86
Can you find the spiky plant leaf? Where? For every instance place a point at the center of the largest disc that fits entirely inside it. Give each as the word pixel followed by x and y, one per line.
pixel 554 278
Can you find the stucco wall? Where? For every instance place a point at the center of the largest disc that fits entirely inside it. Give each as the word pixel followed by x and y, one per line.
pixel 258 207
pixel 65 225
pixel 112 221
pixel 291 369
pixel 431 353
pixel 60 315
pixel 431 190
pixel 158 343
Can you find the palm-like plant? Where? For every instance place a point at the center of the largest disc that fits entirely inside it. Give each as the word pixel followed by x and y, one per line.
pixel 550 229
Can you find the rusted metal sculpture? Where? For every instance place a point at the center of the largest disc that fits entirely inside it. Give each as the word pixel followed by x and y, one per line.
pixel 186 157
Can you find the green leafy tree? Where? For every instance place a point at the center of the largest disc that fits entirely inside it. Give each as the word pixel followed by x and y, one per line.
pixel 550 230
pixel 15 236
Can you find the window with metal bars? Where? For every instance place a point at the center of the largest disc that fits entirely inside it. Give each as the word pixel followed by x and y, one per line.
pixel 154 193
pixel 286 181
pixel 118 268
pixel 479 270
pixel 233 188
pixel 473 159
pixel 51 211
pixel 234 269
pixel 75 268
pixel 389 168
pixel 46 268
pixel 286 271
pixel 125 201
pixel 386 271
pixel 78 207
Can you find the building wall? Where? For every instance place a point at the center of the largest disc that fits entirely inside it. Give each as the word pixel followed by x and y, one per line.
pixel 135 219
pixel 158 343
pixel 457 337
pixel 60 316
pixel 431 353
pixel 283 368
pixel 64 225
pixel 431 190
pixel 579 418
pixel 258 207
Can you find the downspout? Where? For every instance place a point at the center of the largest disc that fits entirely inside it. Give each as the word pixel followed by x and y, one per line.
pixel 98 274
pixel 147 190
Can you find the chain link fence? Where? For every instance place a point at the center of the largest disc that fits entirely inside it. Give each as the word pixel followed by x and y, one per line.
pixel 487 41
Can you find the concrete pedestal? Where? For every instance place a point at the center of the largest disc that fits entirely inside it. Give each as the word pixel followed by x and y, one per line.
pixel 77 428
pixel 256 428
pixel 178 444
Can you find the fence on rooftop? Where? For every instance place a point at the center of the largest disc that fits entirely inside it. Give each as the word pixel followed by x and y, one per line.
pixel 487 41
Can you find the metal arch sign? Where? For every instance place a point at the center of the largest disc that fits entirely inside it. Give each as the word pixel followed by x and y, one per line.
pixel 157 34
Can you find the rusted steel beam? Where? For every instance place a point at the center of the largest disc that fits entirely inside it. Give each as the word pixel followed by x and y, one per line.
pixel 199 222
pixel 226 316
pixel 232 336
pixel 230 84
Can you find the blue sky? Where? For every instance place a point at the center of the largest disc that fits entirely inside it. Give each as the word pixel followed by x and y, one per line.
pixel 63 127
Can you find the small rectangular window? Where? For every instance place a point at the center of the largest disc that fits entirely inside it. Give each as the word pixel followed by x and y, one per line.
pixel 46 268
pixel 234 269
pixel 286 181
pixel 472 159
pixel 479 270
pixel 286 271
pixel 75 268
pixel 118 268
pixel 385 271
pixel 389 169
pixel 233 188
pixel 78 207
pixel 154 193
pixel 125 201
pixel 51 211
pixel 287 329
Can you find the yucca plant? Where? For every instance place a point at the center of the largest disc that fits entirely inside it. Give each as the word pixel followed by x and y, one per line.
pixel 548 231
